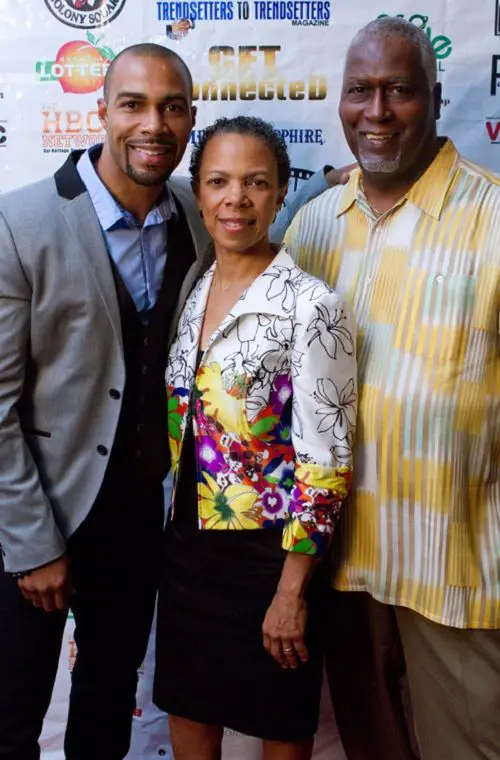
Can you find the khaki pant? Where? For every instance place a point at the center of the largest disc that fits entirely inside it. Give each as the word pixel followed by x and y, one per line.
pixel 454 678
pixel 453 675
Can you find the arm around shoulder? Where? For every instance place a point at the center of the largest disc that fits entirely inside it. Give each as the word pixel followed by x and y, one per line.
pixel 314 186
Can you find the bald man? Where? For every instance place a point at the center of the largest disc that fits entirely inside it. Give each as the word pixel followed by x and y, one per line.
pixel 412 243
pixel 92 261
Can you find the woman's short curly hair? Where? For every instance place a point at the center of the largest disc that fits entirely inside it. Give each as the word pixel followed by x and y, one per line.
pixel 244 125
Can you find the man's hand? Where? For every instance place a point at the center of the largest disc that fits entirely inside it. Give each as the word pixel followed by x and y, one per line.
pixel 49 587
pixel 339 176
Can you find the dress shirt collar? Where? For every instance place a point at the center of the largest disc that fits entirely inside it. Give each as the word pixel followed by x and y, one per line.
pixel 429 191
pixel 108 210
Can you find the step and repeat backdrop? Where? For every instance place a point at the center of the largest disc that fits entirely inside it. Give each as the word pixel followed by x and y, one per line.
pixel 279 59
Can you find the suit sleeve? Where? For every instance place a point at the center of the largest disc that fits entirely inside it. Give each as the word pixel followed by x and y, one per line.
pixel 314 186
pixel 323 416
pixel 29 536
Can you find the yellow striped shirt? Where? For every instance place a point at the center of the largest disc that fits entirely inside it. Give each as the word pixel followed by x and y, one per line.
pixel 422 528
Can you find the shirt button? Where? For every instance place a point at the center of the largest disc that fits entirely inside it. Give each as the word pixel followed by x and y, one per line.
pixel 102 450
pixel 115 394
pixel 146 341
pixel 439 278
pixel 144 370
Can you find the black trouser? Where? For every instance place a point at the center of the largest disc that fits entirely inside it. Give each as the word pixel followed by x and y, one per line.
pixel 114 558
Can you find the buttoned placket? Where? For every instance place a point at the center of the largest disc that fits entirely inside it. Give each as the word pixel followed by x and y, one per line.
pixel 370 263
pixel 132 222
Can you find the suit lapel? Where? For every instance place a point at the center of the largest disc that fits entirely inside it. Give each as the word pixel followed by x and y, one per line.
pixel 83 225
pixel 78 213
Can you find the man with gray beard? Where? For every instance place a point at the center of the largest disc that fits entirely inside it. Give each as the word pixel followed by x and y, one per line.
pixel 413 240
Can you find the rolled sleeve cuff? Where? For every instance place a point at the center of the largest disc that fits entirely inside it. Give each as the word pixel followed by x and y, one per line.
pixel 315 506
pixel 304 537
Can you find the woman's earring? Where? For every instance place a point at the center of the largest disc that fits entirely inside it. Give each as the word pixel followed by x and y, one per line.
pixel 201 213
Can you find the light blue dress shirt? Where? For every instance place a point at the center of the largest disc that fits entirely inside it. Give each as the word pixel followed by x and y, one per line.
pixel 138 250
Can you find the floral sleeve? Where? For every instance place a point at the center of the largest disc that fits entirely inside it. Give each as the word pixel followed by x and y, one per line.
pixel 323 415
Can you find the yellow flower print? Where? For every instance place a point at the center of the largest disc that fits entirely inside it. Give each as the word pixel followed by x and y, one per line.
pixel 220 405
pixel 227 509
pixel 296 538
pixel 293 530
pixel 175 451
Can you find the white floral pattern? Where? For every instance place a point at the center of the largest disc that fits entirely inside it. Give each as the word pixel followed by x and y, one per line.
pixel 330 330
pixel 339 411
pixel 276 395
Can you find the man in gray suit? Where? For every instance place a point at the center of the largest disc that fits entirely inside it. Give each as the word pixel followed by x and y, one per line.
pixel 92 262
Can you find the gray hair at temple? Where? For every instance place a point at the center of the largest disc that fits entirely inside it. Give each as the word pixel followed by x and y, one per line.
pixel 393 26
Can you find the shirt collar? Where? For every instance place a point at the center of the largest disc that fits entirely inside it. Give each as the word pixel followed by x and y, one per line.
pixel 108 210
pixel 429 191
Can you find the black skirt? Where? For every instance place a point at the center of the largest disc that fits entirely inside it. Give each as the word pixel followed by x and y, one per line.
pixel 211 665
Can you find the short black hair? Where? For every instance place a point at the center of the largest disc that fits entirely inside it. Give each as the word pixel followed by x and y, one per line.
pixel 244 125
pixel 145 49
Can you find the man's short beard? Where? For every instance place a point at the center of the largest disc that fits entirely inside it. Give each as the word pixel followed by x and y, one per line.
pixel 376 165
pixel 145 180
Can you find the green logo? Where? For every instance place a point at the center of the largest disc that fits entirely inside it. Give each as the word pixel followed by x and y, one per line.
pixel 443 46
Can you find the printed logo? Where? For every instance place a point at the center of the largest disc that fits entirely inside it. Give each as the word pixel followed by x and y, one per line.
pixel 180 29
pixel 291 135
pixel 497 18
pixel 79 66
pixel 493 130
pixel 184 13
pixel 63 131
pixel 85 14
pixel 443 46
pixel 251 72
pixel 495 74
pixel 3 134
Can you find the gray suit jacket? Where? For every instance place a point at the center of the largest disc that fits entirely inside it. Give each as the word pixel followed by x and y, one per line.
pixel 60 355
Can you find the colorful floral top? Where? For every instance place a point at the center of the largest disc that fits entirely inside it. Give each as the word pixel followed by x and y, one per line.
pixel 272 403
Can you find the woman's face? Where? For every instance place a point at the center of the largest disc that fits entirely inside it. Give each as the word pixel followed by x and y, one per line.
pixel 238 192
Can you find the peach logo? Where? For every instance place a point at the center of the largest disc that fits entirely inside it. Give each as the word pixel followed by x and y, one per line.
pixel 79 66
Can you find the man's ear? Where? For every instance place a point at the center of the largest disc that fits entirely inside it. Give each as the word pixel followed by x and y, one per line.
pixel 437 100
pixel 102 111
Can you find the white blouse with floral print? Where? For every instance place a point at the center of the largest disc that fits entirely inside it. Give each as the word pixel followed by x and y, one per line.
pixel 273 406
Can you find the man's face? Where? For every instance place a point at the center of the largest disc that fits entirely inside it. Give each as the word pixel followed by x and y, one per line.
pixel 387 110
pixel 148 117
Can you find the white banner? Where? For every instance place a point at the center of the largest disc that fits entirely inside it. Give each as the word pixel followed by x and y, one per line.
pixel 279 59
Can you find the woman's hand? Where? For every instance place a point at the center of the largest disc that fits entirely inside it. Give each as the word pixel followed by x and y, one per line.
pixel 283 629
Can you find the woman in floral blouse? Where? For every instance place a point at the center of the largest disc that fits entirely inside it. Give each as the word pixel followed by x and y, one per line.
pixel 261 384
